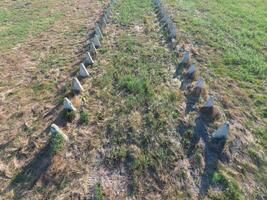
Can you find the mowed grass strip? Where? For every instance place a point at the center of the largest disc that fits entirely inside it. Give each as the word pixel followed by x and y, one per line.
pixel 140 107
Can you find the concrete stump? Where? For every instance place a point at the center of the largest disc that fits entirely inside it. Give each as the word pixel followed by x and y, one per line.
pixel 96 41
pixel 186 58
pixel 88 59
pixel 54 129
pixel 222 132
pixel 83 71
pixel 68 105
pixel 76 85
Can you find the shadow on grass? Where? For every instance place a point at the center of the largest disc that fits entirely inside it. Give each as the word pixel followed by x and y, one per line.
pixel 179 70
pixel 30 173
pixel 191 101
pixel 213 152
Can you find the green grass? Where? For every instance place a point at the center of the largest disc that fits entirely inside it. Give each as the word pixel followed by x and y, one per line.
pixel 232 37
pixel 69 115
pixel 56 144
pixel 84 117
pixel 236 31
pixel 141 106
pixel 131 12
pixel 231 190
pixel 140 109
pixel 19 21
pixel 98 192
pixel 133 85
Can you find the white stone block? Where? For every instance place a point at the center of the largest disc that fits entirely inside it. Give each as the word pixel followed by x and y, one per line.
pixel 98 31
pixel 83 71
pixel 76 85
pixel 200 83
pixel 209 103
pixel 96 41
pixel 54 129
pixel 88 59
pixel 186 58
pixel 222 132
pixel 68 105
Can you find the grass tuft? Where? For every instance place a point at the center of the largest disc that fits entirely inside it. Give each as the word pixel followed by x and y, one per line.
pixel 56 143
pixel 84 117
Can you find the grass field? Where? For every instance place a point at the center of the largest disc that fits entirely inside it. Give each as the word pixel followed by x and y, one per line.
pixel 39 43
pixel 231 37
pixel 132 136
pixel 21 20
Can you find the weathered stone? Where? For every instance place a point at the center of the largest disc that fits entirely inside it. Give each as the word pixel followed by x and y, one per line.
pixel 76 85
pixel 105 17
pixel 191 71
pixel 54 129
pixel 103 21
pixel 209 103
pixel 96 41
pixel 200 83
pixel 92 48
pixel 222 132
pixel 186 58
pixel 157 2
pixel 83 71
pixel 168 21
pixel 98 31
pixel 88 59
pixel 172 31
pixel 163 20
pixel 161 12
pixel 68 105
pixel 207 108
pixel 108 11
pixel 199 87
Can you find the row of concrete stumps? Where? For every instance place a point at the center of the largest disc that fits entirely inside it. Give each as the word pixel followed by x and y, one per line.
pixel 195 88
pixel 191 73
pixel 93 43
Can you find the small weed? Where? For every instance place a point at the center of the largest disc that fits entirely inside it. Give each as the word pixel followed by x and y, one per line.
pixel 189 139
pixel 255 156
pixel 163 154
pixel 69 115
pixel 84 117
pixel 198 158
pixel 175 114
pixel 60 100
pixel 116 156
pixel 98 192
pixel 182 174
pixel 56 143
pixel 173 96
pixel 231 190
pixel 133 85
pixel 133 186
pixel 218 178
pixel 261 133
pixel 137 161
